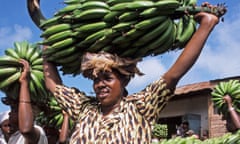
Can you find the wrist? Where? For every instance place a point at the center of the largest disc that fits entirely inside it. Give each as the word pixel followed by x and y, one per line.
pixel 25 101
pixel 231 108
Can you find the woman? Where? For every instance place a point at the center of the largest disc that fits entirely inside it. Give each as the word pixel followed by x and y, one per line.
pixel 4 127
pixel 21 117
pixel 113 116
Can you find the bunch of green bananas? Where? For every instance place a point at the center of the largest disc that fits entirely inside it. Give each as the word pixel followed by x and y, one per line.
pixel 231 88
pixel 160 130
pixel 52 115
pixel 128 28
pixel 10 71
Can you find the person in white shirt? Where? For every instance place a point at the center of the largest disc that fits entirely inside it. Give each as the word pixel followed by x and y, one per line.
pixel 4 127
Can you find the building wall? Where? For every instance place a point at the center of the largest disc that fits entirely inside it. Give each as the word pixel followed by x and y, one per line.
pixel 217 125
pixel 201 105
pixel 194 105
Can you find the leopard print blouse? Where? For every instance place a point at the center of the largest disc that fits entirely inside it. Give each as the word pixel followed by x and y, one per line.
pixel 131 123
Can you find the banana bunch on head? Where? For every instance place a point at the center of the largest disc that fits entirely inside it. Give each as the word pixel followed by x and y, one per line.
pixel 128 28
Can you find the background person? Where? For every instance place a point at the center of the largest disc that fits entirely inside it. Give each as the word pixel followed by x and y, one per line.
pixel 233 122
pixel 21 117
pixel 4 127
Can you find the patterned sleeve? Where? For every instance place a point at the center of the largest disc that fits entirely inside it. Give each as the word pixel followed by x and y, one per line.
pixel 151 101
pixel 72 100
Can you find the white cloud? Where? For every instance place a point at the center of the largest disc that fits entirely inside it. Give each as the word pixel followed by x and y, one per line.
pixel 152 68
pixel 9 35
pixel 221 55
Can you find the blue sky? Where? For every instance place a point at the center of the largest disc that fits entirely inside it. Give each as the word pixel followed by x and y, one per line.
pixel 219 59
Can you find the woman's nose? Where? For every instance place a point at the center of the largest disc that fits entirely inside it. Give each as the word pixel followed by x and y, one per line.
pixel 100 83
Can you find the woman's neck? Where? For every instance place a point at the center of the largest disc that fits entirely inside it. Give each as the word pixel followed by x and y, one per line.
pixel 106 110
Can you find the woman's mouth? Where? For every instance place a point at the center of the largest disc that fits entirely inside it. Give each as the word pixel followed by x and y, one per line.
pixel 102 94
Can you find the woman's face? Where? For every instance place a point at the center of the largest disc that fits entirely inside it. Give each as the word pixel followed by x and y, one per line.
pixel 5 127
pixel 108 88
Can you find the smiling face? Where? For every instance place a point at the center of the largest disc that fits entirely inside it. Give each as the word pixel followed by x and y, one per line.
pixel 109 88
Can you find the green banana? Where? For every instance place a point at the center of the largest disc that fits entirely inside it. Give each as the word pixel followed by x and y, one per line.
pixel 24 49
pixel 187 32
pixel 59 121
pixel 134 5
pixel 37 67
pixel 94 4
pixel 31 50
pixel 139 5
pixel 34 56
pixel 153 34
pixel 6 70
pixel 236 92
pixel 180 27
pixel 63 53
pixel 158 42
pixel 112 16
pixel 120 6
pixel 55 29
pixel 104 41
pixel 62 44
pixel 67 9
pixel 32 89
pixel 167 4
pixel 123 26
pixel 216 94
pixel 18 48
pixel 235 85
pixel 57 37
pixel 150 12
pixel 218 90
pixel 94 37
pixel 149 23
pixel 37 61
pixel 114 2
pixel 12 53
pixel 38 82
pixel 223 86
pixel 50 22
pixel 10 79
pixel 74 57
pixel 70 2
pixel 168 44
pixel 10 61
pixel 91 27
pixel 128 16
pixel 91 14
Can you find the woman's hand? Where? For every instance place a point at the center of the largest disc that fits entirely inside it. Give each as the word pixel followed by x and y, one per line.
pixel 207 18
pixel 227 99
pixel 25 70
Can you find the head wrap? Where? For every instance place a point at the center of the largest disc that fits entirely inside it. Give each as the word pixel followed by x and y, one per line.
pixel 93 63
pixel 4 116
